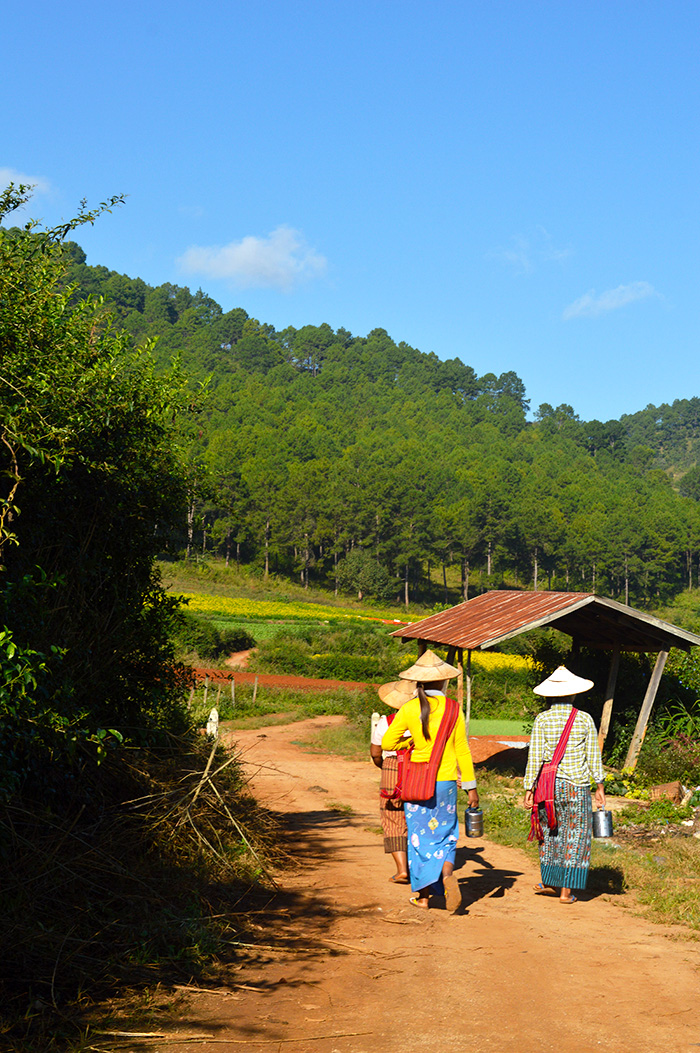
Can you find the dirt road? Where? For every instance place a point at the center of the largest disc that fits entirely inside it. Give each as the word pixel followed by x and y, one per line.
pixel 362 970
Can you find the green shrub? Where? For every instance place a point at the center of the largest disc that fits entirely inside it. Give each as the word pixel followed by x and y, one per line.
pixel 664 760
pixel 352 652
pixel 661 811
pixel 199 636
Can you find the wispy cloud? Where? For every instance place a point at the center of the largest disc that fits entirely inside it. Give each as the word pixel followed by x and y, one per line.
pixel 282 260
pixel 526 254
pixel 41 187
pixel 11 175
pixel 517 255
pixel 591 305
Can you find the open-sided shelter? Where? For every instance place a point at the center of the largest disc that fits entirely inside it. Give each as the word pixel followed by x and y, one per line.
pixel 591 621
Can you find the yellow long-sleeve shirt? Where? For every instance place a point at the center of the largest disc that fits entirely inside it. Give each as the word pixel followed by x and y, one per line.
pixel 456 753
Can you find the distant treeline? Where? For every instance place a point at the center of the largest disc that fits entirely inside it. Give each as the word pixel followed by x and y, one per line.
pixel 362 464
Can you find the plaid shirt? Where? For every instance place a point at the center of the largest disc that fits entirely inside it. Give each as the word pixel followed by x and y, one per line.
pixel 581 761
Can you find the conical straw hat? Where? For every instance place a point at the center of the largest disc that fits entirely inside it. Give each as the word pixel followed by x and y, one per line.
pixel 562 682
pixel 397 692
pixel 429 667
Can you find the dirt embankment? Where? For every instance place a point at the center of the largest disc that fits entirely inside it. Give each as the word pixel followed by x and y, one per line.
pixel 347 965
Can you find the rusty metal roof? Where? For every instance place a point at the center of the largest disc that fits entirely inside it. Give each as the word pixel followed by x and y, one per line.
pixel 593 621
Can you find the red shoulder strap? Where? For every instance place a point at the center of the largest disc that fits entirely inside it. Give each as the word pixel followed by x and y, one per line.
pixel 564 737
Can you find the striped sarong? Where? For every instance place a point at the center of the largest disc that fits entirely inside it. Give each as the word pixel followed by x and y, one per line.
pixel 433 831
pixel 391 813
pixel 565 857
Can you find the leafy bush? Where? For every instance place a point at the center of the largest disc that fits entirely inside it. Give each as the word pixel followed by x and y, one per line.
pixel 199 636
pixel 355 653
pixel 658 812
pixel 90 472
pixel 664 759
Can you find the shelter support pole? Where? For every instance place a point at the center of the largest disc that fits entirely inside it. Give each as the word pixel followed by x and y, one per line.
pixel 422 647
pixel 609 696
pixel 460 678
pixel 469 690
pixel 645 712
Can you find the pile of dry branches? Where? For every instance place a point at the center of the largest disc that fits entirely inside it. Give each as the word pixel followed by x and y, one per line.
pixel 142 872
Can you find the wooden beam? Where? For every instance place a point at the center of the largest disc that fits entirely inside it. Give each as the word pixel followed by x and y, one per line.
pixel 468 712
pixel 609 695
pixel 645 712
pixel 422 647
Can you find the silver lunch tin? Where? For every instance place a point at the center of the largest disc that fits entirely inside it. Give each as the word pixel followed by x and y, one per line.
pixel 474 822
pixel 602 823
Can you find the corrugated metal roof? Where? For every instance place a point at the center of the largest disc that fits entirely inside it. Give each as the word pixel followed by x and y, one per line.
pixel 593 621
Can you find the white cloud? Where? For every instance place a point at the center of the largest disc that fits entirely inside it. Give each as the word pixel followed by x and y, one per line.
pixel 282 260
pixel 517 256
pixel 526 254
pixel 11 175
pixel 590 305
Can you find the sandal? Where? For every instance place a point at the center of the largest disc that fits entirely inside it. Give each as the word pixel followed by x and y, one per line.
pixel 453 895
pixel 399 879
pixel 571 899
pixel 414 901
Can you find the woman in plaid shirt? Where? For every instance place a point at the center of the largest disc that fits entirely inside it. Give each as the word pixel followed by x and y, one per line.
pixel 565 853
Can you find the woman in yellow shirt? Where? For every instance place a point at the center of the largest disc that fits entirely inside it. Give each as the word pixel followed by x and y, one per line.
pixel 433 827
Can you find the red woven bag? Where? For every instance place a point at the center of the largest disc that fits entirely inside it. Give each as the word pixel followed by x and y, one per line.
pixel 417 780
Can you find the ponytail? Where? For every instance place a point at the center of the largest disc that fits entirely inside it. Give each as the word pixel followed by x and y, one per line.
pixel 424 712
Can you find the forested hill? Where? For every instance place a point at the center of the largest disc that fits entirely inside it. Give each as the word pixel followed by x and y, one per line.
pixel 358 461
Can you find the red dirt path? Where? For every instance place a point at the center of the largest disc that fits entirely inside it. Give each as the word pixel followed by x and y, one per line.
pixel 346 965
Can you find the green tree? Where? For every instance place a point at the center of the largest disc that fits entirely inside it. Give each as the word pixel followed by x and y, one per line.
pixel 91 476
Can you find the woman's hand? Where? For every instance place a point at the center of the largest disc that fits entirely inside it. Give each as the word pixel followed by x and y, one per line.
pixel 528 800
pixel 376 754
pixel 473 796
pixel 600 795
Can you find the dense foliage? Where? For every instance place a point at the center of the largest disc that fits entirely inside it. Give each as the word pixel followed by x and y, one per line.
pixel 90 475
pixel 361 464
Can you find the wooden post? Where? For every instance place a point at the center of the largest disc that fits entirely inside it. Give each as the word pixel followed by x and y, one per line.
pixel 609 696
pixel 233 692
pixel 422 647
pixel 206 689
pixel 191 698
pixel 645 712
pixel 460 678
pixel 469 690
pixel 218 697
pixel 255 690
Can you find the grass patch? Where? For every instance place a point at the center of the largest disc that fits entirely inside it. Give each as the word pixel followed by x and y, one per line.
pixel 345 740
pixel 505 728
pixel 272 703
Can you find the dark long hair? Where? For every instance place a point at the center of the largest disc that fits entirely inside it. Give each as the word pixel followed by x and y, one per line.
pixel 424 711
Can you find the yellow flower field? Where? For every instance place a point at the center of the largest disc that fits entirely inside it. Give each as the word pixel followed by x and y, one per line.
pixel 230 607
pixel 486 662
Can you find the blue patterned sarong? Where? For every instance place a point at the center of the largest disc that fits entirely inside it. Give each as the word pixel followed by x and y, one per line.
pixel 566 856
pixel 433 830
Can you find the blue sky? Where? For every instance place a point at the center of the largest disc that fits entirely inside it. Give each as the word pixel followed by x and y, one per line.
pixel 513 183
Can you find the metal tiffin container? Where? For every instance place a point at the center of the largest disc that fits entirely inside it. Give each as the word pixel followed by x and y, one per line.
pixel 602 823
pixel 474 822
